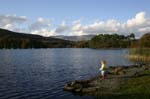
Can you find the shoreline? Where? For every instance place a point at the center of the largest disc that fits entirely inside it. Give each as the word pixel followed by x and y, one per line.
pixel 113 85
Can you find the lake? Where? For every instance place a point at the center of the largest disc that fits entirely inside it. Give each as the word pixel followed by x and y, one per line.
pixel 42 73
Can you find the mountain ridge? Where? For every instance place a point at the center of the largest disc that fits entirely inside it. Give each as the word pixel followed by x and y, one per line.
pixel 10 39
pixel 75 38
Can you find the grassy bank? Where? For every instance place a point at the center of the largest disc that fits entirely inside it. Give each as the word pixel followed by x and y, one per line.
pixel 128 82
pixel 139 54
pixel 138 86
pixel 132 88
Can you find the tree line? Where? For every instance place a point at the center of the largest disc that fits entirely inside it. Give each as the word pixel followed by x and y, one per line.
pixel 108 41
pixel 9 39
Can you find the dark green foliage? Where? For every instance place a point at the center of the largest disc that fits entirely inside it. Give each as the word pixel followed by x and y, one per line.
pixel 111 41
pixel 9 39
pixel 81 44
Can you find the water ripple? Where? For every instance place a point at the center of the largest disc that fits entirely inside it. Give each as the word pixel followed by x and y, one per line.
pixel 42 73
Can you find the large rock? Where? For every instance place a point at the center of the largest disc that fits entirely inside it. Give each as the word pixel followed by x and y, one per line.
pixel 89 90
pixel 119 71
pixel 73 86
pixel 68 87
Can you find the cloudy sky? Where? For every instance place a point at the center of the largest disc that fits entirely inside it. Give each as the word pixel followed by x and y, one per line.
pixel 76 17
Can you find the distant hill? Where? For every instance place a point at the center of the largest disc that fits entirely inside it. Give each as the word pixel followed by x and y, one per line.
pixel 75 38
pixel 9 39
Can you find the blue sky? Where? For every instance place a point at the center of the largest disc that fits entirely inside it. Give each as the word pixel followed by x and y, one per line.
pixel 64 12
pixel 75 9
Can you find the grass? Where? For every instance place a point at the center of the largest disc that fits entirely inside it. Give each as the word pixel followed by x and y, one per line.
pixel 138 87
pixel 133 88
pixel 125 97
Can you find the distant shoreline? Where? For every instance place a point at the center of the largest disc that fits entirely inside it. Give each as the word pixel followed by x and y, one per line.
pixel 65 48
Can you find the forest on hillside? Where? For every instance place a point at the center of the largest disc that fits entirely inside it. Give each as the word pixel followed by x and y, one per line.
pixel 9 39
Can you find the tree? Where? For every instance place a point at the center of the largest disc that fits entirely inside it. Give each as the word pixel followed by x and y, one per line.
pixel 131 36
pixel 109 41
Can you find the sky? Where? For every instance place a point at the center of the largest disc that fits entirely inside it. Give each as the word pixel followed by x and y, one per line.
pixel 75 17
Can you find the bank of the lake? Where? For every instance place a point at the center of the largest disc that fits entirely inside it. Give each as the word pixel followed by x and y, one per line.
pixel 130 82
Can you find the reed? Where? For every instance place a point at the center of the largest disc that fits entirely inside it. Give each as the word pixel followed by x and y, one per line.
pixel 139 54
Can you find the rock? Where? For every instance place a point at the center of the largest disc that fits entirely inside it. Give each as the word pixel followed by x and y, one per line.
pixel 119 71
pixel 73 83
pixel 78 90
pixel 137 74
pixel 67 87
pixel 145 67
pixel 89 90
pixel 140 64
pixel 77 86
pixel 83 81
pixel 73 86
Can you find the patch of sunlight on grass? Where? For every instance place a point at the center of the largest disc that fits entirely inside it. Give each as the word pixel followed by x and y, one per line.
pixel 139 85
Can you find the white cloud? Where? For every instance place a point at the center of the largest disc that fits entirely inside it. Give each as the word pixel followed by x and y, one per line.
pixel 144 29
pixel 138 24
pixel 41 27
pixel 40 20
pixel 8 26
pixel 62 28
pixel 77 26
pixel 10 21
pixel 139 19
pixel 39 24
pixel 44 32
pixel 102 27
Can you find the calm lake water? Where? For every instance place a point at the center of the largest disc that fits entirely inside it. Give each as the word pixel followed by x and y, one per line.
pixel 42 73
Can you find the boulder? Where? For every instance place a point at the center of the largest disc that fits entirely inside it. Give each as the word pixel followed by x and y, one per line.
pixel 119 71
pixel 137 74
pixel 67 87
pixel 89 90
pixel 73 86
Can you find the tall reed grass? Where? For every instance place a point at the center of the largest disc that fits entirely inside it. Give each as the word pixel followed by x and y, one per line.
pixel 139 54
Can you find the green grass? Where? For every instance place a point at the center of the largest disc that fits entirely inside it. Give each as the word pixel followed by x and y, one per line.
pixel 137 86
pixel 124 97
pixel 133 88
